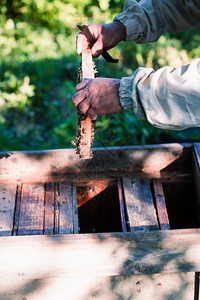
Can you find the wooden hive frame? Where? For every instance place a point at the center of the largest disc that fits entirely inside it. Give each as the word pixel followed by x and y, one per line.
pixel 85 126
pixel 39 219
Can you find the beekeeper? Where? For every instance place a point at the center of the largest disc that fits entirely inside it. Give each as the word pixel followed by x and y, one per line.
pixel 168 98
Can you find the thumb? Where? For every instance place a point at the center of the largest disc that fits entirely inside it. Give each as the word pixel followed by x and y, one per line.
pixel 97 48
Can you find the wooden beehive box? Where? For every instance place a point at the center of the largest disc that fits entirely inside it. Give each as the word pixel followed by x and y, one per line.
pixel 124 225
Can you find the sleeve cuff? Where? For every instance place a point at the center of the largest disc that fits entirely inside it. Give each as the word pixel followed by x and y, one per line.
pixel 135 27
pixel 125 91
pixel 129 97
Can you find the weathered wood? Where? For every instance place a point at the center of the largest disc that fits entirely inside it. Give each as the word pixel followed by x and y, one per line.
pixel 87 65
pixel 161 205
pixel 66 208
pixel 31 210
pixel 112 254
pixel 17 209
pixel 88 190
pixel 197 286
pixel 139 204
pixel 121 204
pixel 85 136
pixel 49 209
pixel 86 127
pixel 75 209
pixel 196 171
pixel 197 152
pixel 100 254
pixel 56 208
pixel 59 164
pixel 178 286
pixel 7 205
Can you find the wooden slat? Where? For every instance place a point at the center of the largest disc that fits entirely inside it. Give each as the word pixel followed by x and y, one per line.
pixel 161 205
pixel 17 209
pixel 56 208
pixel 7 205
pixel 178 286
pixel 85 130
pixel 197 152
pixel 66 208
pixel 75 209
pixel 55 164
pixel 32 210
pixel 110 254
pixel 87 65
pixel 139 204
pixel 197 286
pixel 121 204
pixel 49 209
pixel 196 171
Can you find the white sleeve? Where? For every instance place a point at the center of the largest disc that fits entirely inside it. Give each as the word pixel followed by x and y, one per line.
pixel 147 20
pixel 168 98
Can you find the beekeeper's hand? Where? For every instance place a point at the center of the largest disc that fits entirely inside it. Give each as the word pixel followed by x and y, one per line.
pixel 97 96
pixel 107 36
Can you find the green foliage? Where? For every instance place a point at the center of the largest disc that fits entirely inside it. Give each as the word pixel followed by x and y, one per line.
pixel 38 70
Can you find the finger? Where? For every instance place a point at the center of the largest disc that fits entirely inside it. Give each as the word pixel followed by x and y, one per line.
pixel 91 113
pixel 82 85
pixel 78 98
pixel 84 106
pixel 82 43
pixel 97 48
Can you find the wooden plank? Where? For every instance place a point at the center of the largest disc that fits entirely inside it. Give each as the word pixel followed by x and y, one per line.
pixel 7 205
pixel 86 127
pixel 110 254
pixel 122 205
pixel 87 65
pixel 197 152
pixel 49 209
pixel 161 205
pixel 139 204
pixel 31 219
pixel 75 209
pixel 56 208
pixel 178 286
pixel 66 208
pixel 57 164
pixel 196 171
pixel 17 209
pixel 196 286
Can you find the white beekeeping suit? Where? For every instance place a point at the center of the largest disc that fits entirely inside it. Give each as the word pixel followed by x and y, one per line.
pixel 167 98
